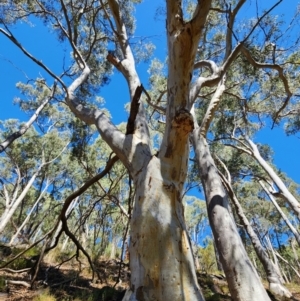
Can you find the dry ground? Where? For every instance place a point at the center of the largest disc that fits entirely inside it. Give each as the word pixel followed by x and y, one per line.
pixel 66 283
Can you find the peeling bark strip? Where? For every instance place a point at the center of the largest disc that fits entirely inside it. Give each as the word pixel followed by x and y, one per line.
pixel 134 109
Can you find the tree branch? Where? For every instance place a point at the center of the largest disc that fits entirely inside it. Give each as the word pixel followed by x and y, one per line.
pixel 259 19
pixel 11 138
pixel 213 105
pixel 200 16
pixel 151 104
pixel 43 66
pixel 281 75
pixel 134 109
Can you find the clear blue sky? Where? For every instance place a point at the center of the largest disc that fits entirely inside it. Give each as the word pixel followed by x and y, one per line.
pixel 14 67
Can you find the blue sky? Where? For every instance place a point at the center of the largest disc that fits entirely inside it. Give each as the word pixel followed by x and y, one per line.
pixel 14 67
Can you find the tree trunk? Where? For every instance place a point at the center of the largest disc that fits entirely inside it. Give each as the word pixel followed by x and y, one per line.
pixel 65 243
pixel 243 280
pixel 10 210
pixel 272 272
pixel 284 217
pixel 161 258
pixel 28 215
pixel 275 178
pixel 292 243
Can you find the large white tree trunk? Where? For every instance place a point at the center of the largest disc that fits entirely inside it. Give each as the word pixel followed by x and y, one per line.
pixel 161 258
pixel 243 280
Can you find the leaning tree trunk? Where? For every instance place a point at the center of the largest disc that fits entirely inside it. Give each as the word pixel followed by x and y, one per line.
pixel 243 280
pixel 293 202
pixel 284 217
pixel 274 278
pixel 15 236
pixel 14 204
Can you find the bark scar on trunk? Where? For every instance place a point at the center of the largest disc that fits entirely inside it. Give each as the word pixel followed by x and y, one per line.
pixel 182 125
pixel 183 122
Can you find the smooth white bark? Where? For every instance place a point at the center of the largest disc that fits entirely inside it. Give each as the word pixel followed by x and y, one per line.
pixel 161 258
pixel 275 178
pixel 272 271
pixel 13 204
pixel 243 280
pixel 12 207
pixel 29 214
pixel 284 217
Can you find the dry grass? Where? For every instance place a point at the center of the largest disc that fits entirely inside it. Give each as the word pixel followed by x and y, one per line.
pixel 45 296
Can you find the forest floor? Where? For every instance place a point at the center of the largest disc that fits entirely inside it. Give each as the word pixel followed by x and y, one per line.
pixel 66 283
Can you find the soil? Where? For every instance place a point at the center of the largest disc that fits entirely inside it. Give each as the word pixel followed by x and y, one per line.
pixel 111 279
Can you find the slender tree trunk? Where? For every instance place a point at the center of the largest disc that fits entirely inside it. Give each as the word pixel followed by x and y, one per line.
pixel 286 279
pixel 10 210
pixel 12 206
pixel 28 215
pixel 243 280
pixel 285 261
pixel 275 178
pixel 284 217
pixel 37 232
pixel 114 245
pixel 65 243
pixel 272 272
pixel 294 252
pixel 254 262
pixel 271 248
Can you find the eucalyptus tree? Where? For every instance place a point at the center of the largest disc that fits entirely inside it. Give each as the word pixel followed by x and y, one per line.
pixel 200 58
pixel 157 215
pixel 218 211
